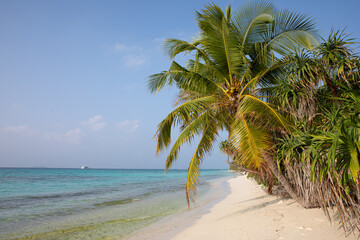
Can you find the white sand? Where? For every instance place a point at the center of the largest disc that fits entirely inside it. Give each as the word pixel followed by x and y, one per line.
pixel 247 212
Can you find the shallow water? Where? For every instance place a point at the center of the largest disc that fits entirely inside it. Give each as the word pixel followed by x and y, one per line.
pixel 89 204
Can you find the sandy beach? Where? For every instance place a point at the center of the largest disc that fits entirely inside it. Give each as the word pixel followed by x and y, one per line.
pixel 246 212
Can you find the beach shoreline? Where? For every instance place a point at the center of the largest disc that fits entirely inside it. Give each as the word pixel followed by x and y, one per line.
pixel 173 224
pixel 241 209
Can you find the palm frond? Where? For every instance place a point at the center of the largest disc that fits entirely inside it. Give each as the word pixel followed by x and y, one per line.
pixel 159 80
pixel 181 115
pixel 205 145
pixel 173 47
pixel 187 135
pixel 183 78
pixel 219 41
pixel 250 140
pixel 262 111
pixel 249 21
pixel 290 31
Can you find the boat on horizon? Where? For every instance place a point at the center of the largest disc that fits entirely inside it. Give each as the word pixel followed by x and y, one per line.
pixel 84 167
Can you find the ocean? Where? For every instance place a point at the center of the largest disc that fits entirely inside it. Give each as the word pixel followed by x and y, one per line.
pixel 48 203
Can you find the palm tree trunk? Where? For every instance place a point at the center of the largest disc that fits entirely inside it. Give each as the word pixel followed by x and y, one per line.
pixel 242 168
pixel 332 87
pixel 284 182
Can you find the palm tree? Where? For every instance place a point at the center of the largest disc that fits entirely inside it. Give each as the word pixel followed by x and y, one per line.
pixel 233 58
pixel 323 153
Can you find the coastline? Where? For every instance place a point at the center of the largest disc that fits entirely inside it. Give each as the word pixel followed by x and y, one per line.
pixel 173 224
pixel 244 211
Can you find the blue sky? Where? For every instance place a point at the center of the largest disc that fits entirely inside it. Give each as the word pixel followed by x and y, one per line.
pixel 73 77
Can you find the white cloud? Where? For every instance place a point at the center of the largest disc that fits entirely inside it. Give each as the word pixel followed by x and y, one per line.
pixel 72 136
pixel 95 123
pixel 129 125
pixel 134 60
pixel 20 129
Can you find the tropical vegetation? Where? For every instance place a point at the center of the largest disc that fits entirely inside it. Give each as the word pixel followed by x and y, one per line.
pixel 321 155
pixel 289 104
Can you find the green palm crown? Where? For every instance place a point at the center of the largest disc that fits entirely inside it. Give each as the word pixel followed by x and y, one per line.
pixel 222 87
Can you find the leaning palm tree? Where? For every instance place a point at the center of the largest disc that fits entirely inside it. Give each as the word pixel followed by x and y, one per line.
pixel 232 59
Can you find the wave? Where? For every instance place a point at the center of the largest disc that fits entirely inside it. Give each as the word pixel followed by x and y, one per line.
pixel 117 202
pixel 123 201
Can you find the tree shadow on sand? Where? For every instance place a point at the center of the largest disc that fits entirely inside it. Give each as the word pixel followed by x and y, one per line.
pixel 257 206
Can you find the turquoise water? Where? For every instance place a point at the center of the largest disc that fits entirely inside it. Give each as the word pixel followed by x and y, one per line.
pixel 89 204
